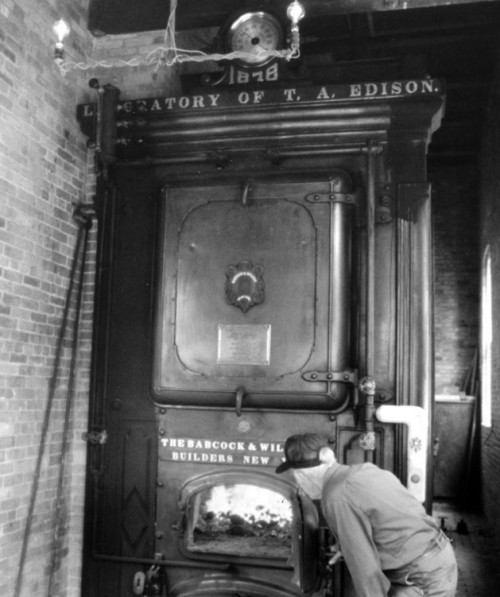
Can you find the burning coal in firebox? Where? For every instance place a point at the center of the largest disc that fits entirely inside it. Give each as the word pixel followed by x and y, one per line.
pixel 241 520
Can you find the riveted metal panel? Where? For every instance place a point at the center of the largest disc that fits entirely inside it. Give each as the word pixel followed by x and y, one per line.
pixel 253 295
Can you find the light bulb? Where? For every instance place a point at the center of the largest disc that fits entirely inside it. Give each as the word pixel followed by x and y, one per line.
pixel 295 12
pixel 61 29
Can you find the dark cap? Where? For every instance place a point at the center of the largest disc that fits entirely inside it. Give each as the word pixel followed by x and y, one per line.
pixel 302 451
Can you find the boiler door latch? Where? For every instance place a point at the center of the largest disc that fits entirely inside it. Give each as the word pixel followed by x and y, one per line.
pixel 149 583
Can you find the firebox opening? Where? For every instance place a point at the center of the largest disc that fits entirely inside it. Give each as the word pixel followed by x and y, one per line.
pixel 240 520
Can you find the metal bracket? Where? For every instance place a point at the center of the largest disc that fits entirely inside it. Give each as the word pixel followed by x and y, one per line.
pixel 95 437
pixel 83 213
pixel 346 376
pixel 331 197
pixel 385 205
pixel 409 194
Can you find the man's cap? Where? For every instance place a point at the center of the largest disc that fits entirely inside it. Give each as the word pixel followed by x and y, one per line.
pixel 302 451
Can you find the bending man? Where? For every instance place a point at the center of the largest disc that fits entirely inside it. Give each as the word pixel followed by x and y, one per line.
pixel 390 545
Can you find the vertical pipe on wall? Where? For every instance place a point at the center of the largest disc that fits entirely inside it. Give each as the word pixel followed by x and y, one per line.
pixel 423 352
pixel 368 384
pixel 415 341
pixel 340 278
pixel 370 262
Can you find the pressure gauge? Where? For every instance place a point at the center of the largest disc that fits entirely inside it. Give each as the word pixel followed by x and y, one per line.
pixel 253 33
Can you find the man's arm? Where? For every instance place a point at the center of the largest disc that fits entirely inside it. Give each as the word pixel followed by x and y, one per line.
pixel 353 531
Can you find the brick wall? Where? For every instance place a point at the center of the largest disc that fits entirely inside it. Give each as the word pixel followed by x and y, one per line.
pixel 43 172
pixel 456 265
pixel 151 78
pixel 490 226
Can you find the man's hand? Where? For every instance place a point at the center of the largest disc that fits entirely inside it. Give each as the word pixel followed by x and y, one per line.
pixel 335 556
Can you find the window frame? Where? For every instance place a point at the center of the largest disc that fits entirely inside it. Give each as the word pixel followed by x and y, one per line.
pixel 486 337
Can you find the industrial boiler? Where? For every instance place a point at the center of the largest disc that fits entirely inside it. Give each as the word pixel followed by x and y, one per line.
pixel 264 268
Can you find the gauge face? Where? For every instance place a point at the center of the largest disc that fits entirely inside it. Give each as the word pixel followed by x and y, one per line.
pixel 254 33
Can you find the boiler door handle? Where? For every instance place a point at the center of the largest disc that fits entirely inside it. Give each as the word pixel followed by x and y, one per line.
pixel 240 392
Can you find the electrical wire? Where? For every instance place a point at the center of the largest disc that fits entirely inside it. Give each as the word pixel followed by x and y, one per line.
pixel 169 54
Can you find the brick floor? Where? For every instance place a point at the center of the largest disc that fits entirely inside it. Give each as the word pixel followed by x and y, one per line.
pixel 476 548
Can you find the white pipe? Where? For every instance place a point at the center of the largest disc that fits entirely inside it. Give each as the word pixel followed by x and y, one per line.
pixel 415 417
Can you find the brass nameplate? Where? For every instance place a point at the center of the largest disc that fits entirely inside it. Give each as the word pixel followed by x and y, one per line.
pixel 245 344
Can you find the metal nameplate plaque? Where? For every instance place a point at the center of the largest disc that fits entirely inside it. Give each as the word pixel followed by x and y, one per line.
pixel 244 344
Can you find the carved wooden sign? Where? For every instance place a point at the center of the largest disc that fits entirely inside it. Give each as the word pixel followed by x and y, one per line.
pixel 314 94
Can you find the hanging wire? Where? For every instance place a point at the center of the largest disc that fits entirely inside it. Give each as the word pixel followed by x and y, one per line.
pixel 169 54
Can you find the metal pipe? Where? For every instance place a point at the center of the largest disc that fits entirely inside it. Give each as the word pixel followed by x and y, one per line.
pixel 274 154
pixel 339 285
pixel 417 444
pixel 85 222
pixel 370 261
pixel 159 562
pixel 184 563
pixel 372 150
pixel 166 122
pixel 81 235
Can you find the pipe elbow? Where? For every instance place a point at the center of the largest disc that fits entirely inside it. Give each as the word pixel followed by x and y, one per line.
pixel 415 417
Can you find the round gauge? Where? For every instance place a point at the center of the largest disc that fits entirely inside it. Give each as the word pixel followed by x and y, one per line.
pixel 253 33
